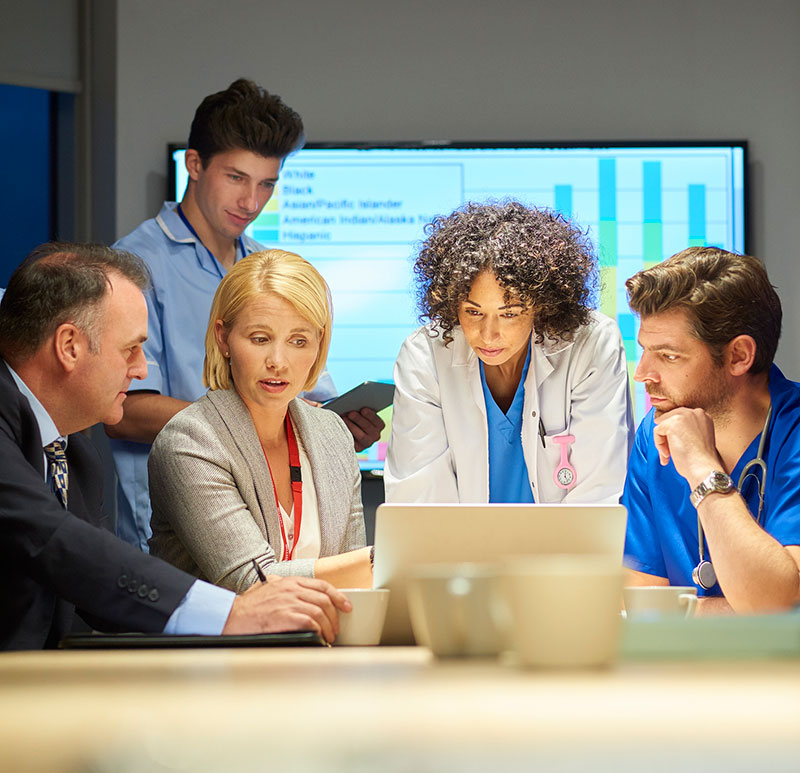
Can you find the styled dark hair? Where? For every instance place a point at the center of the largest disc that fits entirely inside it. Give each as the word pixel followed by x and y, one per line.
pixel 61 282
pixel 724 294
pixel 245 117
pixel 536 254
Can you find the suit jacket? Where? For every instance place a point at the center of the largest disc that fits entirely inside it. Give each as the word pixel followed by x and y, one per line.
pixel 53 560
pixel 213 503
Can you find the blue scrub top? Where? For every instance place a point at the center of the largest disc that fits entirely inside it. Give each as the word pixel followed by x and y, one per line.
pixel 662 524
pixel 508 473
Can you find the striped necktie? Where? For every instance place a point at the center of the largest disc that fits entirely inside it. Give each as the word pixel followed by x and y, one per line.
pixel 58 468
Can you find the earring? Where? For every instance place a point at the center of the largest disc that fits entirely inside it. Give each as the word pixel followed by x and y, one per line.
pixel 227 354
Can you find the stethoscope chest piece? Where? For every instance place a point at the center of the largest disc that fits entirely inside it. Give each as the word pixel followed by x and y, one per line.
pixel 704 575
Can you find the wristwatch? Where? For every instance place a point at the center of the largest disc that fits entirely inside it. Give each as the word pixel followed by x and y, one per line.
pixel 716 483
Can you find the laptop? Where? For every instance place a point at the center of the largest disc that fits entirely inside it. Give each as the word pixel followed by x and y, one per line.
pixel 408 535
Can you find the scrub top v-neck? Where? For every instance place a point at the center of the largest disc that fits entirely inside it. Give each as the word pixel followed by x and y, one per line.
pixel 508 473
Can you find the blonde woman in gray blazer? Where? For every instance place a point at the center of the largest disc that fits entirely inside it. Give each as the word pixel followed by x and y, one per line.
pixel 221 481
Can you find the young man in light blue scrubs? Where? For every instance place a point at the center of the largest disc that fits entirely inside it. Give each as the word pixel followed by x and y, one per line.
pixel 237 144
pixel 710 323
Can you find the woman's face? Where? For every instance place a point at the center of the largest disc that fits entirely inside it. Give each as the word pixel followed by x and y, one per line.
pixel 497 330
pixel 272 349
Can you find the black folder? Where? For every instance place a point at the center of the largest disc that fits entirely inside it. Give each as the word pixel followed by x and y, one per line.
pixel 105 641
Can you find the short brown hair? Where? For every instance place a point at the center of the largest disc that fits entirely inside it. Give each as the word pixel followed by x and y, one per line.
pixel 724 294
pixel 245 117
pixel 61 282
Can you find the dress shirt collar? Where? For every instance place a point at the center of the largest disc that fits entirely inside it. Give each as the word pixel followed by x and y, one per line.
pixel 47 427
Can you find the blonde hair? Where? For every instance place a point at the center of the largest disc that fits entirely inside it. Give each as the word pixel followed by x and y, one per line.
pixel 272 271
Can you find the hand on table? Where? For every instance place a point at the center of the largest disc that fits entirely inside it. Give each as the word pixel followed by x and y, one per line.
pixel 365 426
pixel 288 604
pixel 686 435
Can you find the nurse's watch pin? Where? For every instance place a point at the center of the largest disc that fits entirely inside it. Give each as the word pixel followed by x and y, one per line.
pixel 565 475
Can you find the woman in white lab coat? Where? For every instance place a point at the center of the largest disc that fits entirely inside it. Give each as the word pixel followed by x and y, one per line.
pixel 515 390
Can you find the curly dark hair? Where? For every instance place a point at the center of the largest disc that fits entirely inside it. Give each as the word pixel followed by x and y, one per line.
pixel 536 254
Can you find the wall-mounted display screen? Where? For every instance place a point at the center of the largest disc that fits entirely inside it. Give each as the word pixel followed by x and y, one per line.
pixel 356 211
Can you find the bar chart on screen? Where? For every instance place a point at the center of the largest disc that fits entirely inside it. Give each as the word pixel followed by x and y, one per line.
pixel 358 212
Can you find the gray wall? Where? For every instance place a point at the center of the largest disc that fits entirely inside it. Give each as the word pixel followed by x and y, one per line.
pixel 39 44
pixel 509 69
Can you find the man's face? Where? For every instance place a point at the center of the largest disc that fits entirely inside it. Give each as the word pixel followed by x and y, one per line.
pixel 232 189
pixel 677 369
pixel 107 373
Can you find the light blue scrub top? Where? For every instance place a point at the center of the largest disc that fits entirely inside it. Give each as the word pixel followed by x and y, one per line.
pixel 508 473
pixel 185 277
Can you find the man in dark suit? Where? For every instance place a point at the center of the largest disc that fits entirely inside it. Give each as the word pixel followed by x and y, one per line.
pixel 72 324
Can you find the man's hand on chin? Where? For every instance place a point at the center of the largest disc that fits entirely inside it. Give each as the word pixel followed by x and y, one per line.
pixel 686 435
pixel 288 604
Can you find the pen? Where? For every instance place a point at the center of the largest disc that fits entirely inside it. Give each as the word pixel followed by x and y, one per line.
pixel 259 571
pixel 541 432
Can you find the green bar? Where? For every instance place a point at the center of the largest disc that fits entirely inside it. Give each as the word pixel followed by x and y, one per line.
pixel 608 290
pixel 268 220
pixel 607 247
pixel 652 243
pixel 697 242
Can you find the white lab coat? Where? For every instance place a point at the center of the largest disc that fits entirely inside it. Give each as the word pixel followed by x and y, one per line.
pixel 439 447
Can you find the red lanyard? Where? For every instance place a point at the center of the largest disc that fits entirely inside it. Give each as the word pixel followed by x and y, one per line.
pixel 297 492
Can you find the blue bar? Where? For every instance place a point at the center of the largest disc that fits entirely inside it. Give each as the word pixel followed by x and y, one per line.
pixel 627 326
pixel 697 212
pixel 651 190
pixel 607 174
pixel 266 234
pixel 563 197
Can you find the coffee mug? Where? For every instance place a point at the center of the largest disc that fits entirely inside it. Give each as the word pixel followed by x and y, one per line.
pixel 651 602
pixel 451 608
pixel 564 610
pixel 364 624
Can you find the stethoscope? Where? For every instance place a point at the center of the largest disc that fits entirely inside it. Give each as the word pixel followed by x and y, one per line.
pixel 703 574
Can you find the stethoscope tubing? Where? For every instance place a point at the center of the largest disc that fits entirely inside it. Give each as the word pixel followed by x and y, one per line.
pixel 759 462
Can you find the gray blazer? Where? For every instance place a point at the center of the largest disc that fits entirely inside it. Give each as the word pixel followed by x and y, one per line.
pixel 213 503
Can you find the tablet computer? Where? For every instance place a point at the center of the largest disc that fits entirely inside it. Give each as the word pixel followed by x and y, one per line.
pixel 105 641
pixel 371 394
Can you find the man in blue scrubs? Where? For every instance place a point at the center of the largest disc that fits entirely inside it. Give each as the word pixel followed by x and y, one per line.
pixel 238 141
pixel 710 323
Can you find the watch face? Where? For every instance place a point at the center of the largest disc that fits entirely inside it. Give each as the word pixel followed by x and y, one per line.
pixel 565 476
pixel 720 481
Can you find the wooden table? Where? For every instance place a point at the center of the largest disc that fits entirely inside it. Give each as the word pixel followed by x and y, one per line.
pixel 388 709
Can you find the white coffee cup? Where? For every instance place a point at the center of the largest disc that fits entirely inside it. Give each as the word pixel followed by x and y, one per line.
pixel 564 609
pixel 652 602
pixel 450 606
pixel 364 624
